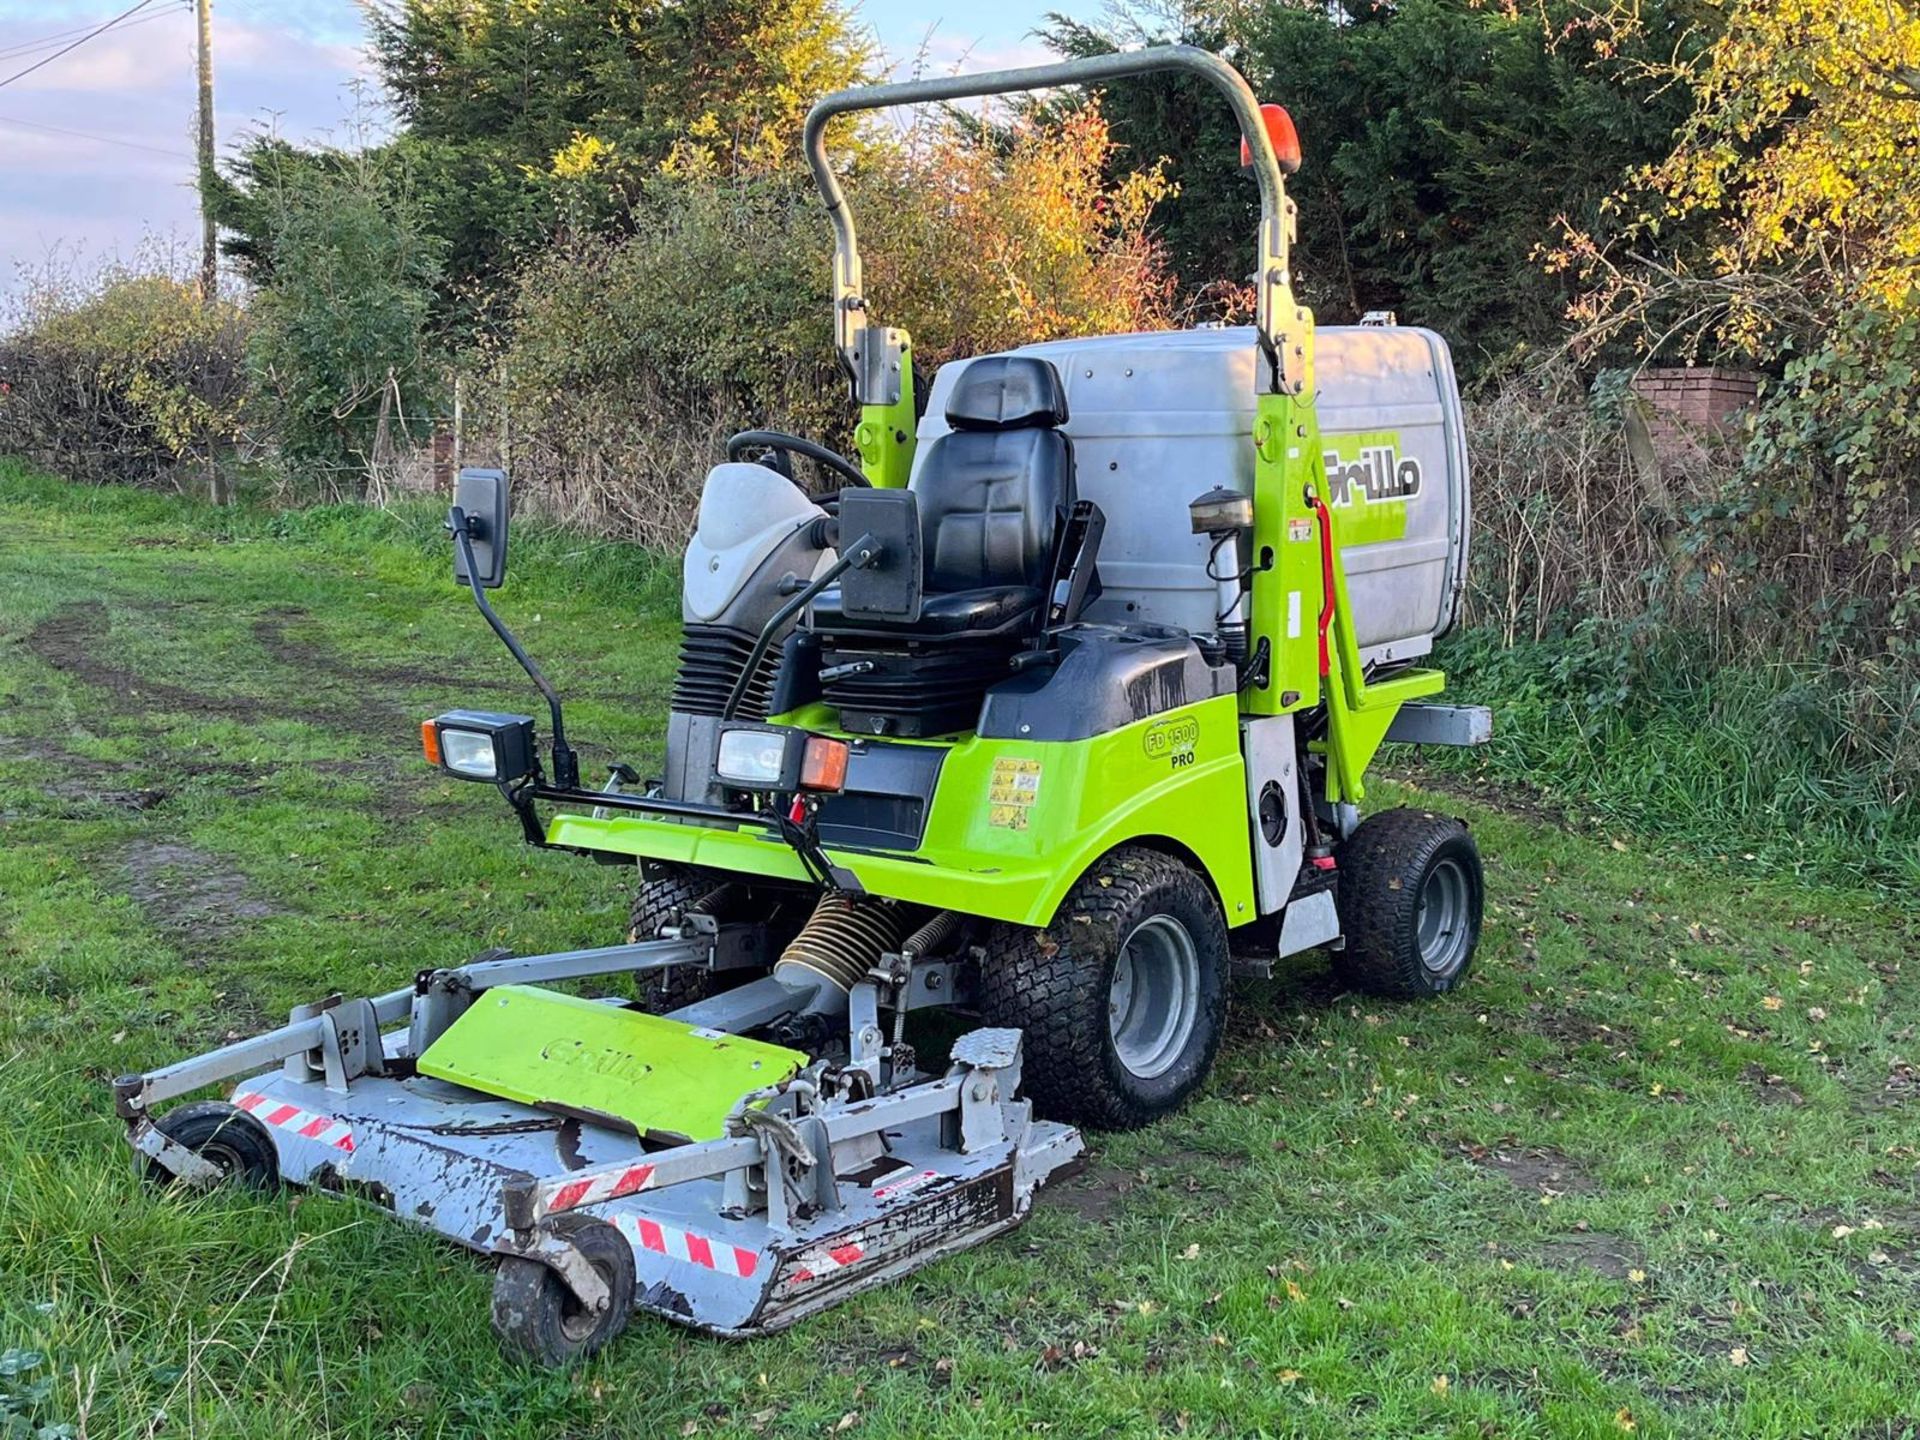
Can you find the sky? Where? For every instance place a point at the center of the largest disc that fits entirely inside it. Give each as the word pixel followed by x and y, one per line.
pixel 98 143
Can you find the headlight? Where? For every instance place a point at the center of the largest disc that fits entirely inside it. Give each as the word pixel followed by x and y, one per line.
pixel 760 758
pixel 480 745
pixel 769 757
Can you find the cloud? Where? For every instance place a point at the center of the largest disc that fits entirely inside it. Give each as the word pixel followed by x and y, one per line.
pixel 64 190
pixel 940 51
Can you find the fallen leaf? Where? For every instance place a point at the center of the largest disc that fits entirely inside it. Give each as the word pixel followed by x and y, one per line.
pixel 1738 1355
pixel 1772 1002
pixel 1192 1252
pixel 1815 1013
pixel 1623 1419
pixel 1287 1377
pixel 847 1421
pixel 1440 1385
pixel 1638 1277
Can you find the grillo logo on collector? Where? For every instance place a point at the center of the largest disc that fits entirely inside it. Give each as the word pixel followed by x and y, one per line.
pixel 1381 473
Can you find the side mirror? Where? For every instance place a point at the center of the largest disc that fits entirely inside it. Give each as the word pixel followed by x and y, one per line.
pixel 481 495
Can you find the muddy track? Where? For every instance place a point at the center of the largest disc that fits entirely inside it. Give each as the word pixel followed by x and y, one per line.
pixel 70 641
pixel 74 640
pixel 311 658
pixel 180 888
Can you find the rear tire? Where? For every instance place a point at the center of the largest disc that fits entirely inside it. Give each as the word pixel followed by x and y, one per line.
pixel 1411 895
pixel 226 1137
pixel 538 1318
pixel 665 892
pixel 1123 999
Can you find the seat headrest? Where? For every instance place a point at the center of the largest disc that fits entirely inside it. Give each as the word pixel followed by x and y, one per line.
pixel 1007 392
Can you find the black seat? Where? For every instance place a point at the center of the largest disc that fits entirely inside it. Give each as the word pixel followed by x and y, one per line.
pixel 991 494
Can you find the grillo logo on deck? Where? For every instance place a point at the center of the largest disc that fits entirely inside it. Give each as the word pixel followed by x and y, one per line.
pixel 1378 472
pixel 1172 740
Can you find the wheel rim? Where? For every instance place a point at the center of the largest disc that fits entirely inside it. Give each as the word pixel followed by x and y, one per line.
pixel 1444 922
pixel 223 1157
pixel 1153 1001
pixel 578 1322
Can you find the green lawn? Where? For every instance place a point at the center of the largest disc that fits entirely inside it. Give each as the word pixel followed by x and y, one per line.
pixel 1652 1170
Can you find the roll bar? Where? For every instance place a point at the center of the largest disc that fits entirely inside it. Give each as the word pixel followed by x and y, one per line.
pixel 873 361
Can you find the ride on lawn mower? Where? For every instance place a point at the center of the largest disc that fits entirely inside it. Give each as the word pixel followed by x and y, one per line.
pixel 1057 714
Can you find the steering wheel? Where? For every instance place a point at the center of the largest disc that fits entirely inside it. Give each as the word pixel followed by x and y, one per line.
pixel 781 445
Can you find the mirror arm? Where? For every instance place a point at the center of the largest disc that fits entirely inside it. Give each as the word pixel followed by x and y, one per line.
pixel 566 766
pixel 860 554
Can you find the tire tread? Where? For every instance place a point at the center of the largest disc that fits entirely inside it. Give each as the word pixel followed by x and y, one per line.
pixel 1052 985
pixel 1380 867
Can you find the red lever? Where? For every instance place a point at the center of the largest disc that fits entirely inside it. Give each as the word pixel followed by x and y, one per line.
pixel 1326 580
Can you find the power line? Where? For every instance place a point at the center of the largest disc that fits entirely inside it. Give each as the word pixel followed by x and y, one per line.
pixel 48 42
pixel 8 120
pixel 98 30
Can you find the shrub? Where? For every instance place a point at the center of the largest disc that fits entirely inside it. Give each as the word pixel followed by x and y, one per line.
pixel 338 348
pixel 1708 650
pixel 632 359
pixel 124 377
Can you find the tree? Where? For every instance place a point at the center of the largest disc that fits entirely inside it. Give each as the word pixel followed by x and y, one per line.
pixel 639 77
pixel 1442 139
pixel 1792 183
pixel 338 349
pixel 1783 230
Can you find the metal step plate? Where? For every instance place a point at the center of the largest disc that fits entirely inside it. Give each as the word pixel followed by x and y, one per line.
pixel 657 1077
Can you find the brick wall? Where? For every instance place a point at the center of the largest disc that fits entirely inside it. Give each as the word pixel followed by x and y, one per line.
pixel 1688 406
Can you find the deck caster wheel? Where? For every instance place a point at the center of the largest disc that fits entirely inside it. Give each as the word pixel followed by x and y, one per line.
pixel 223 1135
pixel 1411 893
pixel 1123 998
pixel 537 1317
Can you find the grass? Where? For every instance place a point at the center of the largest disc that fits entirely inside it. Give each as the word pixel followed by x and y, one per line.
pixel 1652 1171
pixel 1770 766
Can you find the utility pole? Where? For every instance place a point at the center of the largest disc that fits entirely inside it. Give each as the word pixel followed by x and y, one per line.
pixel 210 233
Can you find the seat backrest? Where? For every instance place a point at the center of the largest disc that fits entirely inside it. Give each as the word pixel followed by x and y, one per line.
pixel 990 491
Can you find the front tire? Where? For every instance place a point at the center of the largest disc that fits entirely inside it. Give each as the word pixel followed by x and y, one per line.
pixel 665 893
pixel 1123 998
pixel 1411 896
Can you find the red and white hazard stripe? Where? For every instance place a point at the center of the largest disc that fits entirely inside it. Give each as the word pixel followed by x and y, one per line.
pixel 896 1188
pixel 827 1259
pixel 677 1244
pixel 591 1189
pixel 304 1123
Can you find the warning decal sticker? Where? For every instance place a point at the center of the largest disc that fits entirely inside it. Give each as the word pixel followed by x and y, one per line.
pixel 1011 792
